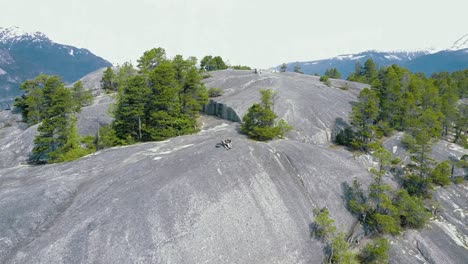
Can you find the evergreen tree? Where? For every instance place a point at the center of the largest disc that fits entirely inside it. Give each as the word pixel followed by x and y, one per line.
pixel 129 113
pixel 108 81
pixel 449 109
pixel 57 132
pixel 375 252
pixel 151 59
pixel 81 97
pixel 31 103
pixel 363 117
pixel 461 122
pixel 411 210
pixel 425 129
pixel 125 73
pixel 210 63
pixel 297 69
pixel 370 70
pixel 283 68
pixel 193 95
pixel 441 174
pixel 164 117
pixel 259 122
pixel 333 73
pixel 324 225
pixel 182 66
pixel 340 251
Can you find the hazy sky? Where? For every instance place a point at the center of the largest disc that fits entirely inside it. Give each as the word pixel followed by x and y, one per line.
pixel 259 33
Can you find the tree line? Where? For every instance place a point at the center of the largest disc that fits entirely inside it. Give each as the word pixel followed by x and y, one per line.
pixel 426 110
pixel 159 98
pixel 49 102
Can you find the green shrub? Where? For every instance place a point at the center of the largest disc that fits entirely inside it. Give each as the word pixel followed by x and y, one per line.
pixel 283 128
pixel 458 180
pixel 324 78
pixel 417 186
pixel 240 67
pixel 441 174
pixel 375 252
pixel 341 252
pixel 206 76
pixel 215 92
pixel 259 122
pixel 411 210
pixel 345 137
pixel 408 141
pixel 324 225
pixel 386 224
pixel 107 138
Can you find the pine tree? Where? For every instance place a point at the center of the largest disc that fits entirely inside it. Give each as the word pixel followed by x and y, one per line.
pixel 193 95
pixel 210 63
pixel 259 122
pixel 125 73
pixel 55 133
pixel 333 73
pixel 441 174
pixel 81 97
pixel 364 116
pixel 31 103
pixel 164 117
pixel 130 110
pixel 283 67
pixel 297 69
pixel 370 70
pixel 151 59
pixel 108 81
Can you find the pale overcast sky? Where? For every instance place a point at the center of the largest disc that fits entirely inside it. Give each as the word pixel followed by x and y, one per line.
pixel 259 33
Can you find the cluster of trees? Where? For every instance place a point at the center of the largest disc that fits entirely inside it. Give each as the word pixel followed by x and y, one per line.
pixel 49 102
pixel 210 63
pixel 333 73
pixel 297 69
pixel 383 210
pixel 161 99
pixel 260 122
pixel 339 251
pixel 427 109
pixel 111 80
pixel 241 67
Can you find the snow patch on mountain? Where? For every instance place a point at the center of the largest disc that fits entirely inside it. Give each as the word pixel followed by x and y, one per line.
pixel 349 57
pixel 15 34
pixel 392 57
pixel 2 72
pixel 71 52
pixel 460 44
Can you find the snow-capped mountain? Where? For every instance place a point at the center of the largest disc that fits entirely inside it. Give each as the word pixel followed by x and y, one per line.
pixel 460 44
pixel 428 61
pixel 15 34
pixel 24 55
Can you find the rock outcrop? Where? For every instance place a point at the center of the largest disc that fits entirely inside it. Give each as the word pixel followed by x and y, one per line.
pixel 186 201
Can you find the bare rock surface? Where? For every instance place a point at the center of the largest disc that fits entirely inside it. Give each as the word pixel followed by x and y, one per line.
pixel 177 201
pixel 309 105
pixel 186 201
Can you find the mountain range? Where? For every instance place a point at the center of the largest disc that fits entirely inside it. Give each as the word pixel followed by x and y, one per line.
pixel 429 61
pixel 24 55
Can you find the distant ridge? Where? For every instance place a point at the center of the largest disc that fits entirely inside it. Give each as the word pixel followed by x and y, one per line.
pixel 24 55
pixel 427 61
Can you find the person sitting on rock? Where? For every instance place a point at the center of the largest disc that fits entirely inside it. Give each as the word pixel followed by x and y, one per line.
pixel 228 143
